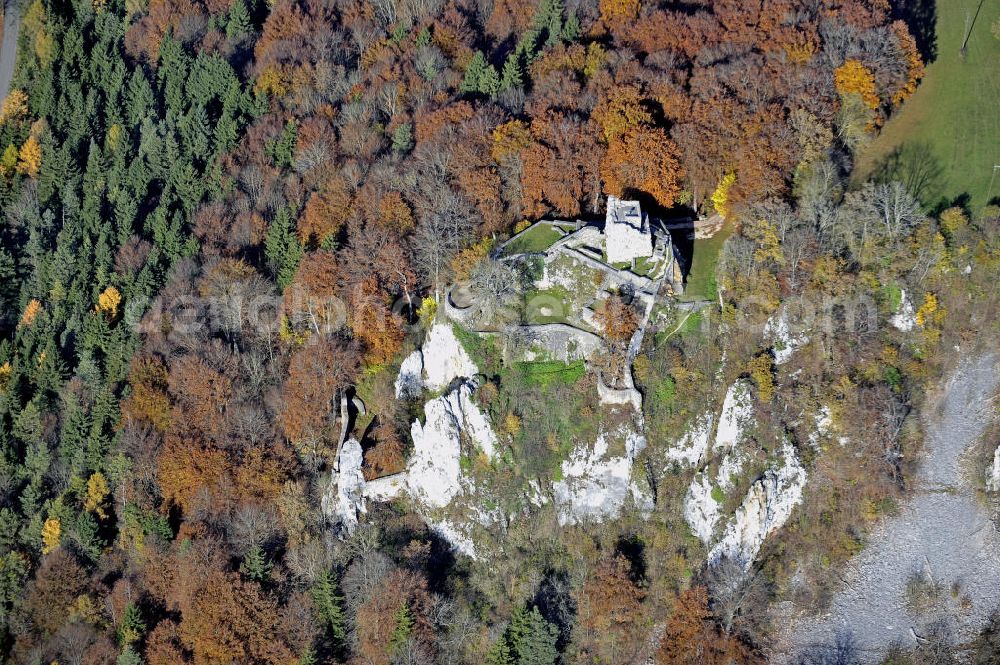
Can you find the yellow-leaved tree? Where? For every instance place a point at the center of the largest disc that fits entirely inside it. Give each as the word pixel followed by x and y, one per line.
pixel 30 157
pixel 15 106
pixel 97 495
pixel 30 312
pixel 852 77
pixel 51 535
pixel 720 197
pixel 108 302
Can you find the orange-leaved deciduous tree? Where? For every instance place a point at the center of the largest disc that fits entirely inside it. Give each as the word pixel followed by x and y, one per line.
pixel 187 470
pixel 371 321
pixel 611 627
pixel 395 213
pixel 618 319
pixel 690 637
pixel 147 401
pixel 386 456
pixel 317 374
pixel 49 599
pixel 164 646
pixel 621 110
pixel 560 169
pixel 311 301
pixel 233 621
pixel 643 160
pixel 325 213
pixel 619 14
pixel 200 394
pixel 914 63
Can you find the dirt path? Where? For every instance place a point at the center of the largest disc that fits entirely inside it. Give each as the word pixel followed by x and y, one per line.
pixel 943 533
pixel 8 46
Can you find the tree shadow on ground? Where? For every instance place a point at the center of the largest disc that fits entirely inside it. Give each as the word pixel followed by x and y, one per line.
pixel 915 165
pixel 920 17
pixel 842 650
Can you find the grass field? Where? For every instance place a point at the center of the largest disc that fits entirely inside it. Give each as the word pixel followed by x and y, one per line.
pixel 705 257
pixel 946 137
pixel 536 239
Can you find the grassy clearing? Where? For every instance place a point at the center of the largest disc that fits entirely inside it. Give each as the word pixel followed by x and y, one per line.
pixel 945 139
pixel 548 306
pixel 547 372
pixel 701 278
pixel 538 238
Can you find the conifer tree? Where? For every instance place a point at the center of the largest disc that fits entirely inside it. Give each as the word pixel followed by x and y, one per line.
pixel 404 628
pixel 329 606
pixel 511 77
pixel 282 248
pixel 474 73
pixel 255 564
pixel 238 21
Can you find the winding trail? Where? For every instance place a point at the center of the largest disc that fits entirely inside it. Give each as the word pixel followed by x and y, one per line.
pixel 943 533
pixel 8 47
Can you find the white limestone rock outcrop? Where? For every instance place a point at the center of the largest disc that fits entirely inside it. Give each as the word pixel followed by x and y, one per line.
pixel 434 474
pixel 823 421
pixel 692 448
pixel 734 422
pixel 736 417
pixel 701 510
pixel 444 358
pixel 345 500
pixel 784 342
pixel 456 537
pixel 410 382
pixel 993 473
pixel 766 508
pixel 595 486
pixel 905 319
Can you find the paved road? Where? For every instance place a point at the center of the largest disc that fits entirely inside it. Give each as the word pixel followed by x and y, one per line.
pixel 8 48
pixel 943 532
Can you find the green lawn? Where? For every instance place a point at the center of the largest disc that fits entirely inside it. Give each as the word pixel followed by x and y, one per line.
pixel 945 139
pixel 701 278
pixel 543 373
pixel 536 239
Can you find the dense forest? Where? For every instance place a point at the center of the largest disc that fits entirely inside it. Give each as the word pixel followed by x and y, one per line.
pixel 220 216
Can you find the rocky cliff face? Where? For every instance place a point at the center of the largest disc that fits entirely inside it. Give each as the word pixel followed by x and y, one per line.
pixel 767 506
pixel 444 358
pixel 905 319
pixel 434 474
pixel 692 448
pixel 596 486
pixel 784 341
pixel 701 510
pixel 342 504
